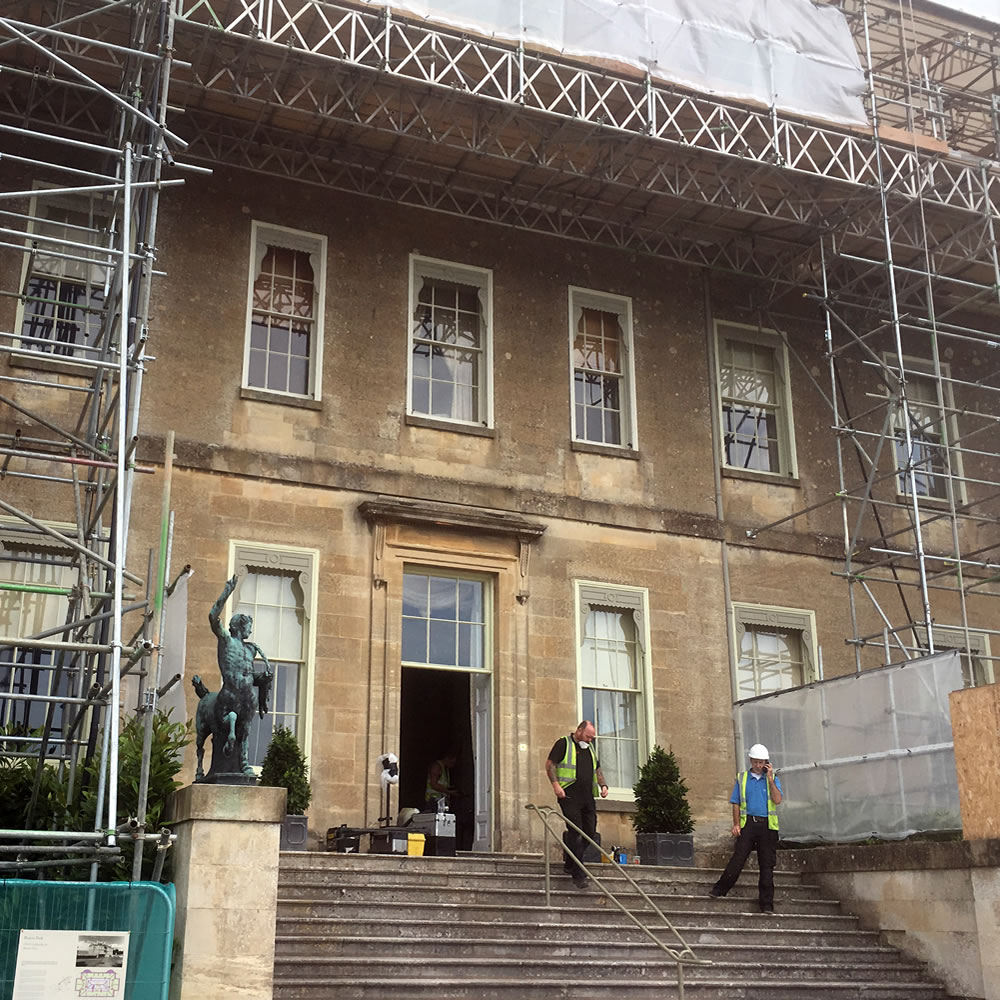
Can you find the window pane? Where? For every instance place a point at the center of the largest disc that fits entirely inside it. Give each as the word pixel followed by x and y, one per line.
pixel 770 660
pixel 415 640
pixel 415 595
pixel 470 601
pixel 443 598
pixel 442 642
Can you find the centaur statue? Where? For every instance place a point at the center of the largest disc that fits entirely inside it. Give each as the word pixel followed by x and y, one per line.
pixel 226 714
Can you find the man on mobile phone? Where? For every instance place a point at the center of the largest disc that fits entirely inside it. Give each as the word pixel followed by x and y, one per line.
pixel 755 795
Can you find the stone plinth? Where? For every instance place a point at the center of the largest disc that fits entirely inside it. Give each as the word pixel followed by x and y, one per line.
pixel 226 873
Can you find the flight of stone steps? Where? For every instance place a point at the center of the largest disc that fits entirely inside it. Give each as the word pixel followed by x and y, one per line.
pixel 386 927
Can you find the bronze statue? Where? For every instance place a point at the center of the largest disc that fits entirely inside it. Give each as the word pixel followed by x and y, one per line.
pixel 226 714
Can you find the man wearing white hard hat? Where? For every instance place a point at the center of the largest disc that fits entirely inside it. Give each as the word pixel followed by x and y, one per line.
pixel 756 793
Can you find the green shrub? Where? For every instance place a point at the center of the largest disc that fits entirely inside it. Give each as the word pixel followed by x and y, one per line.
pixel 661 796
pixel 285 767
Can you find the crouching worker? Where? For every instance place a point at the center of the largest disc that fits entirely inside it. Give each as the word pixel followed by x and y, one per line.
pixel 756 793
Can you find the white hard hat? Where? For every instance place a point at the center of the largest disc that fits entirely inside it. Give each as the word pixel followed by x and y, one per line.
pixel 758 752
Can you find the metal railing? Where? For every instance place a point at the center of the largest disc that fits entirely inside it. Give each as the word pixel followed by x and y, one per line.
pixel 680 956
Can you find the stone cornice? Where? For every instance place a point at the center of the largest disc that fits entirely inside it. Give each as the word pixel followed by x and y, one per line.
pixel 402 510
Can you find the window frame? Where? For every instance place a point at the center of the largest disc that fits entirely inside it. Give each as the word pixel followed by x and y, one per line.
pixel 621 306
pixel 82 352
pixel 948 637
pixel 921 368
pixel 623 597
pixel 785 422
pixel 68 577
pixel 244 557
pixel 294 239
pixel 420 266
pixel 765 616
pixel 489 582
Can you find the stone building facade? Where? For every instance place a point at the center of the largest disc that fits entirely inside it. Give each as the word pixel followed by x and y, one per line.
pixel 539 458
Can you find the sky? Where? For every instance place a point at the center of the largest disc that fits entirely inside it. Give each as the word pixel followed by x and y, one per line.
pixel 990 9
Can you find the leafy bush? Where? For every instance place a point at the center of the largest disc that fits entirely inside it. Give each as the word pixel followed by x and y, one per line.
pixel 661 796
pixel 53 812
pixel 285 767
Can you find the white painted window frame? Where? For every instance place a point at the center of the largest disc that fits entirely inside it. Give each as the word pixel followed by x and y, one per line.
pixel 295 239
pixel 34 352
pixel 801 620
pixel 621 306
pixel 915 367
pixel 489 581
pixel 465 274
pixel 594 593
pixel 787 429
pixel 979 647
pixel 245 554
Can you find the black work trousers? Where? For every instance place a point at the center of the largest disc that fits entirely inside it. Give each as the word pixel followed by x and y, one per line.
pixel 583 813
pixel 754 836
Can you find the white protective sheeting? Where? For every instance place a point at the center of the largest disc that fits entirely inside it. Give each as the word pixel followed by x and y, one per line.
pixel 783 53
pixel 868 755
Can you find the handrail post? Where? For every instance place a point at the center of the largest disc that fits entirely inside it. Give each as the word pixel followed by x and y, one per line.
pixel 545 848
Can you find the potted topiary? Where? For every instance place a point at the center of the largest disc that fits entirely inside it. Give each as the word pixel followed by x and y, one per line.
pixel 285 767
pixel 663 821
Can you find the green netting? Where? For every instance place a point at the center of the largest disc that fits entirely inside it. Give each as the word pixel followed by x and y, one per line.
pixel 146 909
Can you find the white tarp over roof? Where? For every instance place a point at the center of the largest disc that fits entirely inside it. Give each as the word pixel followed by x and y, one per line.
pixel 787 53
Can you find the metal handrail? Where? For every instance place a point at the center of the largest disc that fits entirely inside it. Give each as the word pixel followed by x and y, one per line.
pixel 679 957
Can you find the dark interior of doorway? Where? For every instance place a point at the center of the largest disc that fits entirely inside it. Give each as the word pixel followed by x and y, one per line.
pixel 435 717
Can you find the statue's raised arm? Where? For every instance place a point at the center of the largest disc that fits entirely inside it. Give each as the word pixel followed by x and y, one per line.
pixel 216 611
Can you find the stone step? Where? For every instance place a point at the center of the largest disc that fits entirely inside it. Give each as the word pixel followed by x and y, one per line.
pixel 549 924
pixel 573 946
pixel 563 893
pixel 481 865
pixel 692 881
pixel 388 965
pixel 714 913
pixel 564 988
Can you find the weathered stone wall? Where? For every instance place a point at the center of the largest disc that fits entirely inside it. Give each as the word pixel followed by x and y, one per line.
pixel 938 902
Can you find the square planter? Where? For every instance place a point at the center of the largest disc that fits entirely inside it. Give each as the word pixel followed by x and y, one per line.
pixel 676 849
pixel 293 837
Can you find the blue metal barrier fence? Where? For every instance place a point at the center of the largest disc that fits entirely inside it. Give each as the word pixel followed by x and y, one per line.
pixel 145 909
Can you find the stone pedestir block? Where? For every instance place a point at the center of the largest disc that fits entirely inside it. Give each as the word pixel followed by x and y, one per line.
pixel 226 874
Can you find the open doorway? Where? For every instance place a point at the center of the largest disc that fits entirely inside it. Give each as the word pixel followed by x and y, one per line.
pixel 442 710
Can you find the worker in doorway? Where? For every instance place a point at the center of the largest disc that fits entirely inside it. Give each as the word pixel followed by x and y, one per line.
pixel 573 769
pixel 756 793
pixel 439 784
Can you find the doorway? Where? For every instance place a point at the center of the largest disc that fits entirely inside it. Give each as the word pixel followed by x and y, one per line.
pixel 442 710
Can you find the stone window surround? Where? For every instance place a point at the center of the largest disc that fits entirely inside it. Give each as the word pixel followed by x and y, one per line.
pixel 316 246
pixel 789 472
pixel 467 274
pixel 590 594
pixel 622 306
pixel 244 555
pixel 790 619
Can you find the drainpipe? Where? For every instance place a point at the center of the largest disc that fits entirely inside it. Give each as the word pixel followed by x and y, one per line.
pixel 717 459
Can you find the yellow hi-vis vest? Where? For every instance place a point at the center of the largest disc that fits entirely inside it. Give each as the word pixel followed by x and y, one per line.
pixel 566 770
pixel 443 779
pixel 773 814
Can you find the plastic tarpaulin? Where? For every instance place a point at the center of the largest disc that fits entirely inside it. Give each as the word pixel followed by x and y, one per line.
pixel 782 53
pixel 868 755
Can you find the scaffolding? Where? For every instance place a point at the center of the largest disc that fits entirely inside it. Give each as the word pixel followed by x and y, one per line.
pixel 83 103
pixel 889 231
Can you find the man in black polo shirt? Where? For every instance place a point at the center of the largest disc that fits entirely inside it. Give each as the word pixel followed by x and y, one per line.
pixel 573 769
